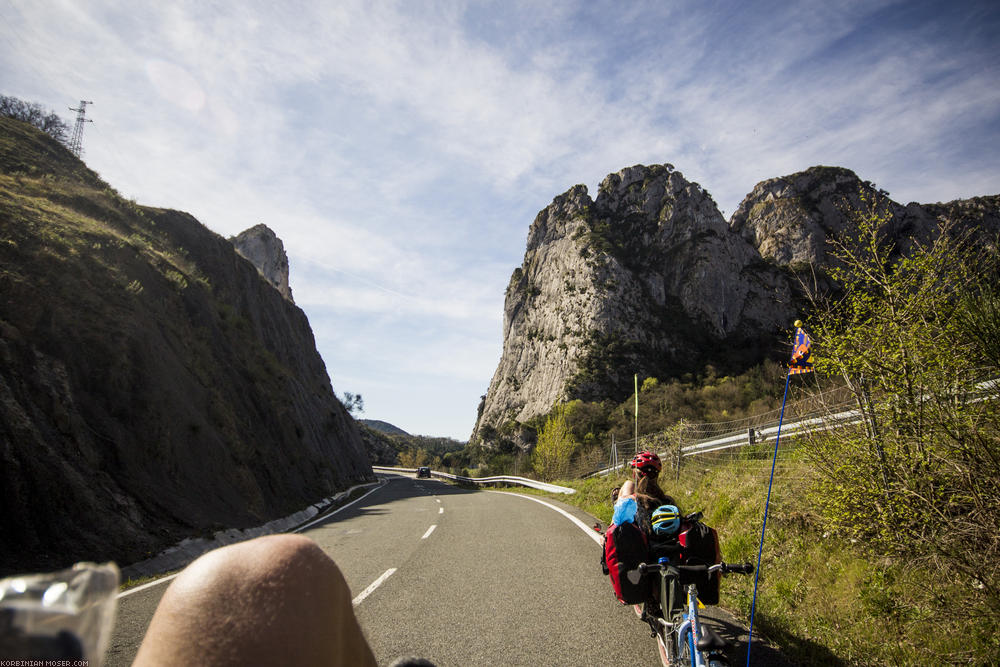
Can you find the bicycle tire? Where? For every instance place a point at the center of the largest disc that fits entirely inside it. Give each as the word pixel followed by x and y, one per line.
pixel 683 652
pixel 662 648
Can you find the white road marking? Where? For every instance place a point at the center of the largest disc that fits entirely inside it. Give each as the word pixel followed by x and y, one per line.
pixel 339 509
pixel 594 535
pixel 440 510
pixel 429 531
pixel 371 587
pixel 145 586
pixel 437 500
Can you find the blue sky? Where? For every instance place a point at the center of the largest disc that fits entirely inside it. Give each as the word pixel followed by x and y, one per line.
pixel 402 149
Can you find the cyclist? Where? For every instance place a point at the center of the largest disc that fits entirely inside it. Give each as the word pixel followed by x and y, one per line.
pixel 646 469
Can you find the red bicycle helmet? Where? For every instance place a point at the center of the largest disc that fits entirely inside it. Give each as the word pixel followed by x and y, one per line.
pixel 643 461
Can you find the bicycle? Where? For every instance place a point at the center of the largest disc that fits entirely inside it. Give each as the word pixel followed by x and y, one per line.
pixel 681 637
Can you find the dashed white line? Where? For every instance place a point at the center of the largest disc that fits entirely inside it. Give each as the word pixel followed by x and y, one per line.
pixel 371 588
pixel 440 510
pixel 429 531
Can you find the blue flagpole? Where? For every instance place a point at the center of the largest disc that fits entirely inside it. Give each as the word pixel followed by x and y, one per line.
pixel 760 551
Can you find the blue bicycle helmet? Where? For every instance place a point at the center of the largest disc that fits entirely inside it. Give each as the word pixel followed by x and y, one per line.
pixel 666 520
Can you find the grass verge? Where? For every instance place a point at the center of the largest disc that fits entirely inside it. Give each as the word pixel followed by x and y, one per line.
pixel 824 600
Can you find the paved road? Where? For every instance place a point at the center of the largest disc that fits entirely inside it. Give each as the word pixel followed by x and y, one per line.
pixel 477 578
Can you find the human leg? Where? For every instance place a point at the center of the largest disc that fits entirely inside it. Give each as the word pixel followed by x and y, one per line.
pixel 276 600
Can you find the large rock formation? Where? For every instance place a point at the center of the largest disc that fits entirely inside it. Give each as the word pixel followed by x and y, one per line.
pixel 650 279
pixel 153 385
pixel 265 250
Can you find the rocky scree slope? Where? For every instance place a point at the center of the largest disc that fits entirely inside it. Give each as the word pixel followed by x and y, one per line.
pixel 649 278
pixel 153 386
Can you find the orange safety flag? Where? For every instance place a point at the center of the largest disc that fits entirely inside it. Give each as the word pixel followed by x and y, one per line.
pixel 800 362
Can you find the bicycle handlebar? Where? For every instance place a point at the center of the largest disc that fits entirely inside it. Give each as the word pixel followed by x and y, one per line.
pixel 725 568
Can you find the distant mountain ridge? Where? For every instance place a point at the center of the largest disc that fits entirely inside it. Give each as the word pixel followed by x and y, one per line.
pixel 649 279
pixel 384 427
pixel 153 384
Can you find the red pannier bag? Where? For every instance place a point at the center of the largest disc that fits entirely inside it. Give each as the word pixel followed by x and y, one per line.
pixel 626 546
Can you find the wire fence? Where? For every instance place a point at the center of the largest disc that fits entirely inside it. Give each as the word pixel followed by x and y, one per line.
pixel 744 441
pixel 727 442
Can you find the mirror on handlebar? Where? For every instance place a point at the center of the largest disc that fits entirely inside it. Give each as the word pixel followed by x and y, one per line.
pixel 694 516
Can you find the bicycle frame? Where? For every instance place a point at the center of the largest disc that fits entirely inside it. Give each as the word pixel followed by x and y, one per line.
pixel 679 628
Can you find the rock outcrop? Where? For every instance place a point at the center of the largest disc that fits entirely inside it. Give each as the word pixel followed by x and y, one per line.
pixel 153 386
pixel 649 278
pixel 265 250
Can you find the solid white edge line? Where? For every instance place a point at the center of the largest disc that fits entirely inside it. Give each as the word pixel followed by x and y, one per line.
pixel 339 509
pixel 372 586
pixel 429 531
pixel 149 585
pixel 300 528
pixel 594 535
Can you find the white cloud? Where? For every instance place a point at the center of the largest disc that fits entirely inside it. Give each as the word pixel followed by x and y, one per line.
pixel 401 150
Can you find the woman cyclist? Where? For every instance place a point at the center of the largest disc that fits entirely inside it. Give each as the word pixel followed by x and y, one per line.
pixel 646 469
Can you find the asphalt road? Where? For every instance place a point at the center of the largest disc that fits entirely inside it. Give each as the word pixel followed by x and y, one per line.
pixel 474 578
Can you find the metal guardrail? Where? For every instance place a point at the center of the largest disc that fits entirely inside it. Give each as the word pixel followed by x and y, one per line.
pixel 498 479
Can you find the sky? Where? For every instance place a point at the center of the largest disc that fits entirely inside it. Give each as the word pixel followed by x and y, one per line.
pixel 401 150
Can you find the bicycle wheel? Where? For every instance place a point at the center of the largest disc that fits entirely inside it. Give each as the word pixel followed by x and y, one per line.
pixel 664 654
pixel 683 652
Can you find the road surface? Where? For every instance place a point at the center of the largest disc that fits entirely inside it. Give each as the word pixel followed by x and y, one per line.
pixel 465 577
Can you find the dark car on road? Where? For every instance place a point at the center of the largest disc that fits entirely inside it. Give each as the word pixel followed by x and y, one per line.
pixel 423 471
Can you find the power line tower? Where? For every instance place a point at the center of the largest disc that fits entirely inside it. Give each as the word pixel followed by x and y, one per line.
pixel 76 142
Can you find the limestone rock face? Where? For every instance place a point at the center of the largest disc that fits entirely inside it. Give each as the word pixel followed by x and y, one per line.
pixel 649 278
pixel 639 280
pixel 264 249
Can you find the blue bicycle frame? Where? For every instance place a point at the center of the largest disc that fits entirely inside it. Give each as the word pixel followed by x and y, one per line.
pixel 678 628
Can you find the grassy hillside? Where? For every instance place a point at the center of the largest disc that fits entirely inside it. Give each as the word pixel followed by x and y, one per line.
pixel 152 385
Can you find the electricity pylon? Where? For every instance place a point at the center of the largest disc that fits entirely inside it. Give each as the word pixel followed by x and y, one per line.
pixel 76 142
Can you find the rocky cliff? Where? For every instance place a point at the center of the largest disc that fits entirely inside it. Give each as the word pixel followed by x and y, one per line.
pixel 265 250
pixel 649 278
pixel 153 385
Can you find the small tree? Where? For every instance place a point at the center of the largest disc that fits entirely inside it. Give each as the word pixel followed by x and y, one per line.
pixel 413 458
pixel 555 448
pixel 33 113
pixel 353 403
pixel 920 477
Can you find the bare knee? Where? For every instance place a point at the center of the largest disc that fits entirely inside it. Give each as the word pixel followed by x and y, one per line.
pixel 264 601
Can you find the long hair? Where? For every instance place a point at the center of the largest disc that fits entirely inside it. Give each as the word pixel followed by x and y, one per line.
pixel 650 494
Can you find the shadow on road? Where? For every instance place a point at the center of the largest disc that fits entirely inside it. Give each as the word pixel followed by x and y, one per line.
pixel 763 654
pixel 398 488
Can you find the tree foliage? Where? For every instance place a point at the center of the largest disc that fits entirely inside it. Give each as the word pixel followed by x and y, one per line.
pixel 35 114
pixel 920 476
pixel 556 446
pixel 413 458
pixel 353 403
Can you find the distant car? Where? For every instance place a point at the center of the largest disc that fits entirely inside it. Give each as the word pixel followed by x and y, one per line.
pixel 423 471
